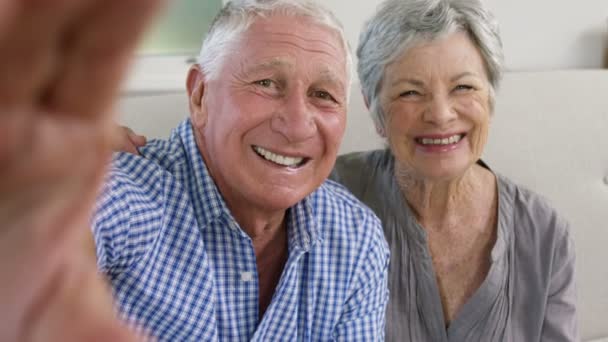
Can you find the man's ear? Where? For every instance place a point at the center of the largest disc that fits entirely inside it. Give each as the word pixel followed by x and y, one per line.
pixel 195 84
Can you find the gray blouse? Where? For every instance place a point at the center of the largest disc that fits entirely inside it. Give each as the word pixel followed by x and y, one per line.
pixel 529 293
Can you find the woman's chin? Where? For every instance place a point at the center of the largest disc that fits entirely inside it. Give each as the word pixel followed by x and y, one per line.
pixel 443 171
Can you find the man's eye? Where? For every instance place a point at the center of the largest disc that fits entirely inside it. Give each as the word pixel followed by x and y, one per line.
pixel 266 83
pixel 324 95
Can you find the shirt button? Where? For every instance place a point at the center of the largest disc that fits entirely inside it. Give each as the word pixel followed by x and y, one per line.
pixel 246 276
pixel 606 180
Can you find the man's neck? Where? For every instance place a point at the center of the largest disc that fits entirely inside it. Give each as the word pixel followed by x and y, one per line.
pixel 260 226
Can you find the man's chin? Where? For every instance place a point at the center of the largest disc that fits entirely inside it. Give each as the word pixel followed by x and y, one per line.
pixel 283 199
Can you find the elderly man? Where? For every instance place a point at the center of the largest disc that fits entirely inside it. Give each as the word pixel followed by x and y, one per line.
pixel 229 230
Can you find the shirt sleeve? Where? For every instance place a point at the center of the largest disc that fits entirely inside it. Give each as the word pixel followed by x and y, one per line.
pixel 110 225
pixel 363 318
pixel 560 323
pixel 128 215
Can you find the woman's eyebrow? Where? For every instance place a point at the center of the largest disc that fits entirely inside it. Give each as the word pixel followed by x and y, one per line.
pixel 408 80
pixel 462 75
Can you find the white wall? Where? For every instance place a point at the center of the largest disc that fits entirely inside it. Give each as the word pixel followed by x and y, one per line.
pixel 553 34
pixel 537 34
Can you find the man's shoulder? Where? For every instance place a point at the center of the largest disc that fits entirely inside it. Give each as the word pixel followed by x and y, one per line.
pixel 338 209
pixel 132 206
pixel 157 153
pixel 158 159
pixel 352 237
pixel 336 197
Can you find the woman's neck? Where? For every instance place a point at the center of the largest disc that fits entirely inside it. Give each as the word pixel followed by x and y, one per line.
pixel 439 203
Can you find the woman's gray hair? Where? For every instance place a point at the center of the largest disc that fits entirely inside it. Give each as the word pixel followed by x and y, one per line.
pixel 238 15
pixel 399 25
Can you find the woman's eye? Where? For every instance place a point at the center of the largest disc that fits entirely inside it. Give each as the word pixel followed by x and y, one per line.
pixel 409 93
pixel 463 87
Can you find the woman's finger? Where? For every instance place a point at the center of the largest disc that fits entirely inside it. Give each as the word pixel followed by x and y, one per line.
pixel 98 54
pixel 136 139
pixel 31 46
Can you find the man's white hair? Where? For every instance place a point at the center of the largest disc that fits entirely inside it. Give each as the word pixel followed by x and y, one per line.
pixel 238 15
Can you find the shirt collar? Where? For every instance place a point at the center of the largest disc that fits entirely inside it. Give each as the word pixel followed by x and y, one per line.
pixel 206 198
pixel 303 225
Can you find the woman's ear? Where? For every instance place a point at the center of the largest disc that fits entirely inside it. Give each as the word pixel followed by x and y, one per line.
pixel 379 128
pixel 365 100
pixel 195 84
pixel 381 131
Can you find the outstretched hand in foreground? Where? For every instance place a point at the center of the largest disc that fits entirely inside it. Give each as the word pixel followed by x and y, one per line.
pixel 61 65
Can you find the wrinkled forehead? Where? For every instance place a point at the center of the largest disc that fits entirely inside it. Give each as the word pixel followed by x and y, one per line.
pixel 288 42
pixel 453 51
pixel 301 30
pixel 285 62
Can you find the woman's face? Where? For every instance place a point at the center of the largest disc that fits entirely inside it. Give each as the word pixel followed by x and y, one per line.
pixel 436 101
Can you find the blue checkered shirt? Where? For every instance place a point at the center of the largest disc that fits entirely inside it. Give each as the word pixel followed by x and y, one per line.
pixel 183 270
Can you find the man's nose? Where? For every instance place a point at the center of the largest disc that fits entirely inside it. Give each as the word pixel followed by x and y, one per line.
pixel 440 110
pixel 295 120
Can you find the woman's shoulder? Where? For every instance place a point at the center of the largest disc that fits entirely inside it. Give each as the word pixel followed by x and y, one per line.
pixel 522 200
pixel 359 171
pixel 380 156
pixel 539 230
pixel 542 260
pixel 357 164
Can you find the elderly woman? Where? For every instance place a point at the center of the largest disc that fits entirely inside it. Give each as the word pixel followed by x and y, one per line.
pixel 475 257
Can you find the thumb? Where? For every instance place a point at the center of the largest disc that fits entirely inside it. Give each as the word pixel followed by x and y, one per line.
pixel 137 139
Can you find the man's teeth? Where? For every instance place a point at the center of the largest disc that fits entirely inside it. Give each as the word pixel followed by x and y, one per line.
pixel 445 141
pixel 277 158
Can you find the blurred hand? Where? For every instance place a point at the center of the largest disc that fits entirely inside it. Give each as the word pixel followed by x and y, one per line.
pixel 125 140
pixel 61 64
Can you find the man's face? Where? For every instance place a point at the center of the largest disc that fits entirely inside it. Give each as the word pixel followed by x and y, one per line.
pixel 274 116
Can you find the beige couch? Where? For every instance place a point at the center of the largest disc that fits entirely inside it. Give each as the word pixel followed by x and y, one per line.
pixel 550 133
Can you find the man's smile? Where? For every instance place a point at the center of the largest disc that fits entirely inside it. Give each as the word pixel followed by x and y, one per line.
pixel 282 160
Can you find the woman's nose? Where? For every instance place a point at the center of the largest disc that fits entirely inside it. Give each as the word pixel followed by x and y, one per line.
pixel 439 110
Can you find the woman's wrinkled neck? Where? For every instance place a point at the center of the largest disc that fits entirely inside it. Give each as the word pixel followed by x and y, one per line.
pixel 437 202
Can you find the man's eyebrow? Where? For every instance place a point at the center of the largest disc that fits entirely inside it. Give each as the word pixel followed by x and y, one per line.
pixel 328 75
pixel 273 63
pixel 335 77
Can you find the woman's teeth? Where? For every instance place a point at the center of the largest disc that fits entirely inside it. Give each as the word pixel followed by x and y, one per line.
pixel 445 141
